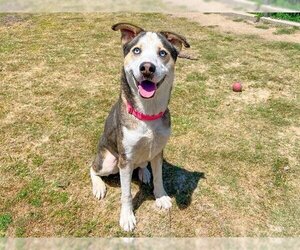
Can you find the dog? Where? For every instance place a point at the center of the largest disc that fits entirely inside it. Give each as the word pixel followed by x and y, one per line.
pixel 138 125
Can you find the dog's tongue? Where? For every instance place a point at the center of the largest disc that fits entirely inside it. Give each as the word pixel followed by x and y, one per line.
pixel 147 89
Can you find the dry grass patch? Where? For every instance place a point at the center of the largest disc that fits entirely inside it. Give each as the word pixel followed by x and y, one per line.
pixel 232 163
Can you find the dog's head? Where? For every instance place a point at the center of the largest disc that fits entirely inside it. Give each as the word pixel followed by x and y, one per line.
pixel 149 57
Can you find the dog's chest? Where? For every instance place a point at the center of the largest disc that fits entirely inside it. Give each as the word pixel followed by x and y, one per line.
pixel 144 142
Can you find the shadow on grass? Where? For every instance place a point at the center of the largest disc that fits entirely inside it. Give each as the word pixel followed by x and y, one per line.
pixel 178 182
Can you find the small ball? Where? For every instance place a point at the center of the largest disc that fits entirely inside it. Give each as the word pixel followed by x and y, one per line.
pixel 237 87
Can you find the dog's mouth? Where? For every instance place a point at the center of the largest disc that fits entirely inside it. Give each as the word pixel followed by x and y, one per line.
pixel 147 88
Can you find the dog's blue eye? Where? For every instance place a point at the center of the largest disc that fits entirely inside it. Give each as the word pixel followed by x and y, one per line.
pixel 136 50
pixel 162 53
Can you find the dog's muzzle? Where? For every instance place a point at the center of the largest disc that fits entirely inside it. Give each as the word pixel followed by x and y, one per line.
pixel 147 88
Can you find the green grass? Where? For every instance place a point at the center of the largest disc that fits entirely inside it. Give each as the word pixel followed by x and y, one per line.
pixel 5 220
pixel 289 4
pixel 279 172
pixel 277 111
pixel 232 162
pixel 262 26
pixel 294 17
pixel 286 31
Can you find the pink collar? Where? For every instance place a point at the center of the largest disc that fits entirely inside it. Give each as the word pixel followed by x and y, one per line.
pixel 141 116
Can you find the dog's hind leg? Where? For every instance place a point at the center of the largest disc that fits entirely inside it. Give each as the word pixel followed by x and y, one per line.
pixel 104 164
pixel 144 173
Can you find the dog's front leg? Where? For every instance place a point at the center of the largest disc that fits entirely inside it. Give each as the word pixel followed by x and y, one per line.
pixel 127 219
pixel 162 200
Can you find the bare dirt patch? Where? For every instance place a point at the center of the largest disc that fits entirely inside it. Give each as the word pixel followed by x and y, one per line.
pixel 200 5
pixel 251 96
pixel 227 24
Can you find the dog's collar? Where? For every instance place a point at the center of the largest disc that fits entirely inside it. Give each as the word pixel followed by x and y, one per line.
pixel 141 116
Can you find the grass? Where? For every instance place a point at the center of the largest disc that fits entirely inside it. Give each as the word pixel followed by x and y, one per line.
pixel 262 26
pixel 294 17
pixel 286 30
pixel 5 220
pixel 231 165
pixel 289 4
pixel 238 20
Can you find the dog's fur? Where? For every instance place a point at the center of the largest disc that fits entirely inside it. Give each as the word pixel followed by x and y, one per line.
pixel 128 142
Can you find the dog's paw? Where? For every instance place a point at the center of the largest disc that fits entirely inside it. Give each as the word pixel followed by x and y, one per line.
pixel 163 202
pixel 127 219
pixel 144 175
pixel 99 188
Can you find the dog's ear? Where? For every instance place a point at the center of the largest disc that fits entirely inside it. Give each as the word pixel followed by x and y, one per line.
pixel 176 40
pixel 128 31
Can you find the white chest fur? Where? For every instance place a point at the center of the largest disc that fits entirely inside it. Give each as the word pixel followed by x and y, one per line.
pixel 143 143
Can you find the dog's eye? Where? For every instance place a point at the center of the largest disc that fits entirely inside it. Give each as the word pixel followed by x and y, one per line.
pixel 137 51
pixel 162 53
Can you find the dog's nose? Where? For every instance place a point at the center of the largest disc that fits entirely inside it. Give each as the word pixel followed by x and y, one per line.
pixel 147 68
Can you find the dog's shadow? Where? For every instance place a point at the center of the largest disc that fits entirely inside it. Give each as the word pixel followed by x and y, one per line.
pixel 178 182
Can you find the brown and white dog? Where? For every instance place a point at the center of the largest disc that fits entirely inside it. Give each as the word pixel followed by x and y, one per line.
pixel 138 125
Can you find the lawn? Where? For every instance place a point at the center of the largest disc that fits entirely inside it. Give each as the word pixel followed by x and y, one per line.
pixel 231 165
pixel 290 4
